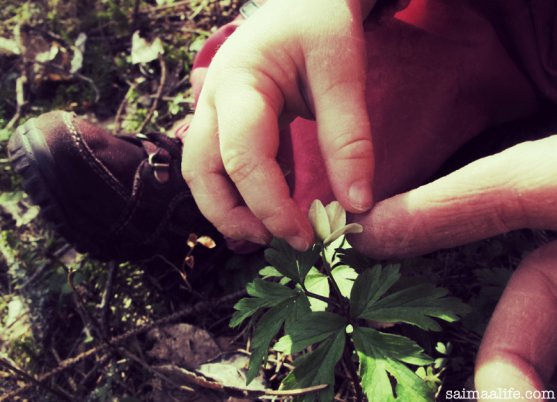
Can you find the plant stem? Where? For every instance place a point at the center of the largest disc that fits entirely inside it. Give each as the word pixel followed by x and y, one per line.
pixel 327 300
pixel 328 271
pixel 347 359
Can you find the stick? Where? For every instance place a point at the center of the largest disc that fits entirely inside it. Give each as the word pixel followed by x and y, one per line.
pixel 31 379
pixel 158 96
pixel 198 308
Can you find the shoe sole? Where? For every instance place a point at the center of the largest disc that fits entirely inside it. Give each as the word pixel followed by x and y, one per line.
pixel 31 158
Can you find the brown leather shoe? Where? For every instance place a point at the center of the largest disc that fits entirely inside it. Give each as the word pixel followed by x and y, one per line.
pixel 117 198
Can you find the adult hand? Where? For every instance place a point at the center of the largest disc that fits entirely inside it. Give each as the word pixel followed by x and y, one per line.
pixel 514 189
pixel 291 58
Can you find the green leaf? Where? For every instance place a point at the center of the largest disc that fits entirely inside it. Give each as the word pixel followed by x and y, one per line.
pixel 265 294
pixel 317 367
pixel 354 259
pixel 313 328
pixel 265 330
pixel 317 283
pixel 381 355
pixel 270 272
pixel 287 312
pixel 370 286
pixel 287 306
pixel 299 309
pixel 5 134
pixel 271 291
pixel 395 346
pixel 289 262
pixel 345 277
pixel 245 308
pixel 417 306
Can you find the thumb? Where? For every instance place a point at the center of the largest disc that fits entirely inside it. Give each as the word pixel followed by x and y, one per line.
pixel 336 75
pixel 518 350
pixel 510 190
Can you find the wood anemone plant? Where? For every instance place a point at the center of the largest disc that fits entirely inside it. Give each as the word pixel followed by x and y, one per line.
pixel 328 310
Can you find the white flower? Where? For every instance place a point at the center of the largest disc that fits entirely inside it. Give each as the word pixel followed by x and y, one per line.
pixel 329 223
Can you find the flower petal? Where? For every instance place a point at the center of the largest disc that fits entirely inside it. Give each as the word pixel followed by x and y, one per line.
pixel 319 220
pixel 336 214
pixel 350 228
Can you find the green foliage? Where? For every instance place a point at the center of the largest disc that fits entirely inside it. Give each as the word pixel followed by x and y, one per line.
pixel 381 354
pixel 329 310
pixel 416 305
pixel 289 262
pixel 317 367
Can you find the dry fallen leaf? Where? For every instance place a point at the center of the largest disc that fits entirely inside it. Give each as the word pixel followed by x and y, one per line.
pixel 182 345
pixel 144 51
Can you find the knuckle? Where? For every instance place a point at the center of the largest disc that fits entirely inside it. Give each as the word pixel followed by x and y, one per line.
pixel 239 165
pixel 343 83
pixel 346 146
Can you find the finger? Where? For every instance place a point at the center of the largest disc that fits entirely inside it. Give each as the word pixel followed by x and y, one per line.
pixel 214 194
pixel 338 96
pixel 511 190
pixel 249 140
pixel 519 348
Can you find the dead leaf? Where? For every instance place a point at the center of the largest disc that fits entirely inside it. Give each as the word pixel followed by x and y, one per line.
pixel 9 47
pixel 78 51
pixel 230 371
pixel 144 51
pixel 182 345
pixel 192 240
pixel 206 241
pixel 190 261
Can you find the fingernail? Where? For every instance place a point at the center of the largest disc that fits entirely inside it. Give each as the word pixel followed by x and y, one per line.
pixel 299 243
pixel 359 195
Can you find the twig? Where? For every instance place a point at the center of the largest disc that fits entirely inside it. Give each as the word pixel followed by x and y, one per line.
pixel 91 83
pixel 193 377
pixel 86 317
pixel 99 330
pixel 107 295
pixel 73 75
pixel 158 95
pixel 71 381
pixel 170 6
pixel 135 14
pixel 101 362
pixel 121 107
pixel 151 370
pixel 20 100
pixel 295 392
pixel 35 381
pixel 200 307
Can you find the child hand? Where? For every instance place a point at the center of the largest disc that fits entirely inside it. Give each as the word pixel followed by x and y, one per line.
pixel 292 58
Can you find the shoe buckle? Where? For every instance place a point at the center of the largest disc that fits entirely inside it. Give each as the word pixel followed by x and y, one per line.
pixel 160 168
